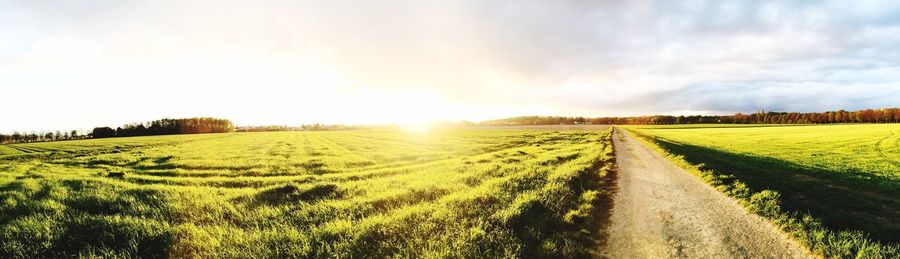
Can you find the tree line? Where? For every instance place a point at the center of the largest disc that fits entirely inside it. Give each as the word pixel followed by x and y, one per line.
pixel 214 125
pixel 17 137
pixel 166 127
pixel 887 115
pixel 157 127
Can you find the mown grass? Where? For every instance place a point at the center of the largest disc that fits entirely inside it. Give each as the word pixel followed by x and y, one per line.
pixel 366 193
pixel 834 188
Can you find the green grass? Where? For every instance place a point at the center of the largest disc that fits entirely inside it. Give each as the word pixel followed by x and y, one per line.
pixel 366 193
pixel 835 188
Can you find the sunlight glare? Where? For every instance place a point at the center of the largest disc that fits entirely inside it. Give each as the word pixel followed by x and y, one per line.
pixel 417 128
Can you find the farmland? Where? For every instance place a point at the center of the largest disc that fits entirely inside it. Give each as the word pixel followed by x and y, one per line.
pixel 847 177
pixel 373 193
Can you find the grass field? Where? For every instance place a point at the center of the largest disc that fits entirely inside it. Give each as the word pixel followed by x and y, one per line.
pixel 846 176
pixel 365 193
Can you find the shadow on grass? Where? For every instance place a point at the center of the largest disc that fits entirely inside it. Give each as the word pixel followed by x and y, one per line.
pixel 293 193
pixel 605 205
pixel 841 201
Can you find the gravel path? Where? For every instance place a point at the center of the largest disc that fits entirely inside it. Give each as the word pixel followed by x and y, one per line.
pixel 662 211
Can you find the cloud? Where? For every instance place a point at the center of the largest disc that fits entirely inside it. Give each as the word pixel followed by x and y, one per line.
pixel 723 98
pixel 501 58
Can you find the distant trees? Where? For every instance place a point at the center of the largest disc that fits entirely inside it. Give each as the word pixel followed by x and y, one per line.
pixel 167 127
pixel 18 137
pixel 157 127
pixel 888 115
pixel 103 132
pixel 266 128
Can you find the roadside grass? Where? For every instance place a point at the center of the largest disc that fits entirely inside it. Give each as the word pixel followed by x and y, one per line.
pixel 365 193
pixel 837 213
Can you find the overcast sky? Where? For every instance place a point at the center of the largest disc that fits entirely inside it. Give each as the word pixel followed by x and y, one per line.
pixel 79 64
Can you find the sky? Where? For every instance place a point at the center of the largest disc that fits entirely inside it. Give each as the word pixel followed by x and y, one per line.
pixel 80 64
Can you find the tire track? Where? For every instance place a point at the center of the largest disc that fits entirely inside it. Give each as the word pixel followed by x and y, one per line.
pixel 881 152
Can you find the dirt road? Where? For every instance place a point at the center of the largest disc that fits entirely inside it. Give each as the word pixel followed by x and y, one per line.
pixel 661 211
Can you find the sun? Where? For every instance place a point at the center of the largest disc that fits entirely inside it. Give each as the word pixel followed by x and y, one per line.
pixel 413 111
